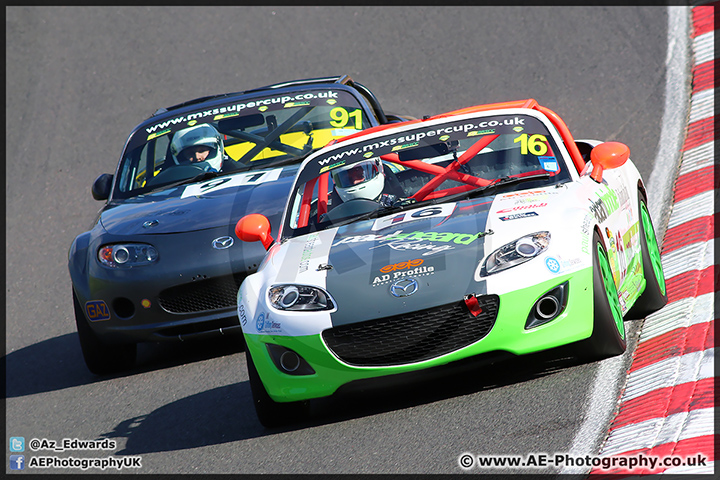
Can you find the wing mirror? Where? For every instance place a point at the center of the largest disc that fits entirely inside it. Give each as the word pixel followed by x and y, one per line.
pixel 254 228
pixel 102 186
pixel 608 155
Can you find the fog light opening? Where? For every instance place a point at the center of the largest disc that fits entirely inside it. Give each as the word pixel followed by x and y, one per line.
pixel 123 308
pixel 547 307
pixel 289 361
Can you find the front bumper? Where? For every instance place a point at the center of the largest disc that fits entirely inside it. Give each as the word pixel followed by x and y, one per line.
pixel 191 291
pixel 508 335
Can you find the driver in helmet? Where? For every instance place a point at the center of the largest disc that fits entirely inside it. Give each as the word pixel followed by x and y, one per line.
pixel 368 180
pixel 199 145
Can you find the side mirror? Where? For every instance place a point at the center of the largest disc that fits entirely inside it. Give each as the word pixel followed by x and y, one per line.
pixel 608 155
pixel 254 228
pixel 102 186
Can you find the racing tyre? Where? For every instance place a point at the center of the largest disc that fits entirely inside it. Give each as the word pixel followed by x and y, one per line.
pixel 608 337
pixel 655 296
pixel 271 413
pixel 102 358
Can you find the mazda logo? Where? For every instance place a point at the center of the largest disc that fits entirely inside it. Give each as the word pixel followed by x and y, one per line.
pixel 404 287
pixel 222 243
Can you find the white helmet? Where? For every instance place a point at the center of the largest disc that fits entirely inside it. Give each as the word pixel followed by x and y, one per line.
pixel 198 135
pixel 364 179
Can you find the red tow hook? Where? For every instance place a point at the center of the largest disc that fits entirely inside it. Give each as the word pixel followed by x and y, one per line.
pixel 473 305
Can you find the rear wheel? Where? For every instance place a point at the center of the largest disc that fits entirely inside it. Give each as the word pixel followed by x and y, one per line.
pixel 608 337
pixel 101 357
pixel 654 297
pixel 269 412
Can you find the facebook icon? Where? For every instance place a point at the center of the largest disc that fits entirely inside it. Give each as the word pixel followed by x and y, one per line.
pixel 17 462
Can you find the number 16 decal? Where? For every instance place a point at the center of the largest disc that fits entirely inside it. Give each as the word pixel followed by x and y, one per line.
pixel 535 144
pixel 435 211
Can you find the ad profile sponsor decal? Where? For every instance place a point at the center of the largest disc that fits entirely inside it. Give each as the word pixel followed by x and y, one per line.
pixel 417 267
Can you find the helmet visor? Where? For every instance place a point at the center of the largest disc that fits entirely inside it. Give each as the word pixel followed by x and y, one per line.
pixel 196 153
pixel 355 175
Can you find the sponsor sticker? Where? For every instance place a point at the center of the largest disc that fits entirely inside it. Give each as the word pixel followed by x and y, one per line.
pixel 264 324
pixel 417 267
pixel 397 275
pixel 549 164
pixel 416 240
pixel 402 265
pixel 97 310
pixel 557 264
pixel 241 313
pixel 552 264
pixel 307 252
pixel 523 207
pixel 515 216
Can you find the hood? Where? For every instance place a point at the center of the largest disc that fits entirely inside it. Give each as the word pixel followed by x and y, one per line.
pixel 438 247
pixel 213 203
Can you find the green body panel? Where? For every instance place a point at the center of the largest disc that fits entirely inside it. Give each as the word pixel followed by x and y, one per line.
pixel 508 334
pixel 653 247
pixel 634 283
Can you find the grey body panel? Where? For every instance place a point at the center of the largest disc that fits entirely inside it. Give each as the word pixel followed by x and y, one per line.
pixel 361 283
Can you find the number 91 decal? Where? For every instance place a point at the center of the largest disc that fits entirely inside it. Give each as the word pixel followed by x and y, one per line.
pixel 341 117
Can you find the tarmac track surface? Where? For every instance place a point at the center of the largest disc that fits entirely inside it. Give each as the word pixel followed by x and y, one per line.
pixel 79 79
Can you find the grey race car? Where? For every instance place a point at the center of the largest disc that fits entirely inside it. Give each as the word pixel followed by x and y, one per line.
pixel 160 262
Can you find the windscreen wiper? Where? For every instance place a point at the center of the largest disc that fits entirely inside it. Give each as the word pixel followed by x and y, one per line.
pixel 379 212
pixel 197 178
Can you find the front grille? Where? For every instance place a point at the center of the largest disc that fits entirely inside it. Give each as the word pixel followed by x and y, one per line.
pixel 202 295
pixel 412 337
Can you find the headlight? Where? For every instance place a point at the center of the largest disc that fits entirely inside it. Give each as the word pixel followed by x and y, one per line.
pixel 299 297
pixel 515 253
pixel 127 255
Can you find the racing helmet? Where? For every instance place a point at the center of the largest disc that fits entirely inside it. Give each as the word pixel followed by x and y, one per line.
pixel 364 179
pixel 198 135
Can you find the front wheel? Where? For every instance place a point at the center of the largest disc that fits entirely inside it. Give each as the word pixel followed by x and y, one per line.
pixel 271 413
pixel 608 336
pixel 654 297
pixel 102 358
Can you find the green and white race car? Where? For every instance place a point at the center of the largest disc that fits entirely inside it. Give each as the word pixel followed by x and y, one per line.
pixel 484 232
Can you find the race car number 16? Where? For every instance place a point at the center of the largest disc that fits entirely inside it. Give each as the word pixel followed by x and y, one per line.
pixel 535 144
pixel 444 210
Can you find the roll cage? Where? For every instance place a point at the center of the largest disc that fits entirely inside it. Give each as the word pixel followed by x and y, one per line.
pixel 452 171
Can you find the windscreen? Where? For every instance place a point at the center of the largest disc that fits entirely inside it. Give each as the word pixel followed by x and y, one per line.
pixel 427 164
pixel 254 134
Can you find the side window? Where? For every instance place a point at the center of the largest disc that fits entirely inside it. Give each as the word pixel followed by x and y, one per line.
pixel 152 160
pixel 141 176
pixel 128 171
pixel 161 150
